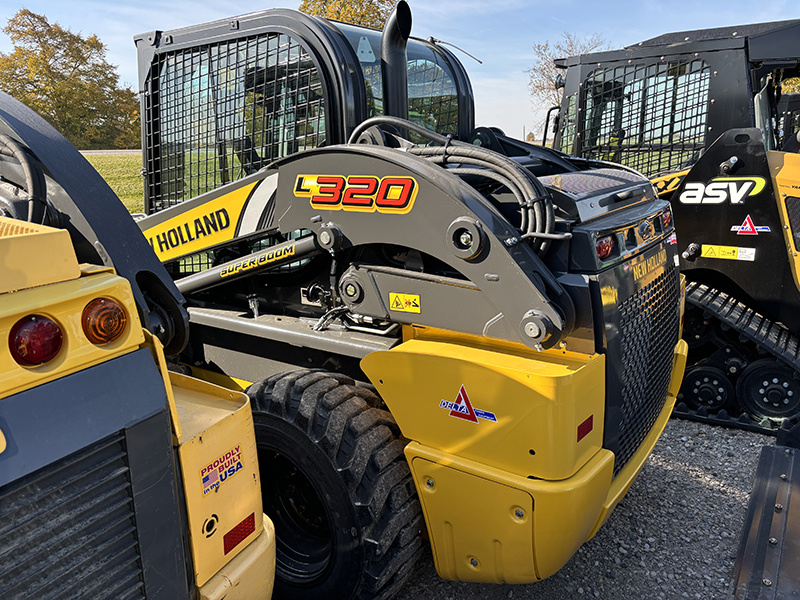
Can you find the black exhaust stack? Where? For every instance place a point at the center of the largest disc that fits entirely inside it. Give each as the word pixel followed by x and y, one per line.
pixel 394 62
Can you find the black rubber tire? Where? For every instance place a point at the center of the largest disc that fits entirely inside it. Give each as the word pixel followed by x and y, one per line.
pixel 337 486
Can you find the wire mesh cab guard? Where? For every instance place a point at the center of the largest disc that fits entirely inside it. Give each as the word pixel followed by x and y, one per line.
pixel 221 100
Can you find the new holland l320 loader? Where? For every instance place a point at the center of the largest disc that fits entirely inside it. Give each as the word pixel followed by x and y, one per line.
pixel 439 328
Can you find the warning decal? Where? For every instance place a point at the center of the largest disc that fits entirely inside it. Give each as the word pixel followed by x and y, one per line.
pixel 728 252
pixel 409 303
pixel 462 409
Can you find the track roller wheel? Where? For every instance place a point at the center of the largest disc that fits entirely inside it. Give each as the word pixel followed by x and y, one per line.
pixel 768 389
pixel 336 484
pixel 698 329
pixel 707 387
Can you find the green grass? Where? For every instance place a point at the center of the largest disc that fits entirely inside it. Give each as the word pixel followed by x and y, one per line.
pixel 122 173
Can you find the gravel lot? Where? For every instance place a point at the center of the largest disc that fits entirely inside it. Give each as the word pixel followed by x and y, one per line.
pixel 675 535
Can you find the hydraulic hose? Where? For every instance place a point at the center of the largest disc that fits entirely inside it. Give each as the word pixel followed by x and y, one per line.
pixel 537 216
pixel 35 183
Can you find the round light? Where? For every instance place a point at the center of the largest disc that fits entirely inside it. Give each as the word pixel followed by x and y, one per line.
pixel 34 340
pixel 103 321
pixel 605 246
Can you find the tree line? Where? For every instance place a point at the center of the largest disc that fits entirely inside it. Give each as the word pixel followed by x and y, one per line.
pixel 66 78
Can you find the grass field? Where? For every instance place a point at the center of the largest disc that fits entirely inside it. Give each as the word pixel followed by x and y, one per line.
pixel 123 173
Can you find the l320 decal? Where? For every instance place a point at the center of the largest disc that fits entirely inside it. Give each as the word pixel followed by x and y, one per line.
pixel 358 193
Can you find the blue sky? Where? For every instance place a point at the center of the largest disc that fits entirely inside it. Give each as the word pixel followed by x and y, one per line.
pixel 499 32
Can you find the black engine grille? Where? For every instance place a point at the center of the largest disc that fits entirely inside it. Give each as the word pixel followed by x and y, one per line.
pixel 68 531
pixel 648 331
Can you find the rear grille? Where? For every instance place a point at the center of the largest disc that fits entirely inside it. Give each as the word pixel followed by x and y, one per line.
pixel 648 332
pixel 793 209
pixel 68 530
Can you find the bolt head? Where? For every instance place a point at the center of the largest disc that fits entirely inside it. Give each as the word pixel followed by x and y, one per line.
pixel 778 507
pixel 465 238
pixel 766 582
pixel 473 562
pixel 351 290
pixel 325 238
pixel 532 330
pixel 773 541
pixel 429 483
pixel 783 477
pixel 519 513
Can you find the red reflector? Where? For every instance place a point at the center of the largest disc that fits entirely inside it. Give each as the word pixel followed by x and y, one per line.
pixel 585 427
pixel 236 535
pixel 605 246
pixel 34 340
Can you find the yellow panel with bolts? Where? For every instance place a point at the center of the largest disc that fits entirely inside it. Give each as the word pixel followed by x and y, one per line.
pixel 487 525
pixel 249 576
pixel 220 472
pixel 785 170
pixel 32 255
pixel 538 414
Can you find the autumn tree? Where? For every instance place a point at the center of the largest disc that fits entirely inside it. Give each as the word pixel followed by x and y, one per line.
pixel 542 76
pixel 791 86
pixel 369 13
pixel 65 77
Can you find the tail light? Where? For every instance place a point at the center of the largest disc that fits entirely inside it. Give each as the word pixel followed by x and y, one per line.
pixel 103 321
pixel 666 219
pixel 35 340
pixel 605 246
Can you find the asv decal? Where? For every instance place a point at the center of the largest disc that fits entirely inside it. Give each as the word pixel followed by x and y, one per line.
pixel 748 228
pixel 462 409
pixel 722 189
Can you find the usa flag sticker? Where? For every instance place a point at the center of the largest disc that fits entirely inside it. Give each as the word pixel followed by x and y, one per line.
pixel 221 469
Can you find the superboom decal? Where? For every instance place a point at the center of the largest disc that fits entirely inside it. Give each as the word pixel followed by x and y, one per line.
pixel 358 193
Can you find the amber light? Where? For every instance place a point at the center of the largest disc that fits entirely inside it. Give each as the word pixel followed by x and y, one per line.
pixel 34 340
pixel 103 321
pixel 605 246
pixel 666 219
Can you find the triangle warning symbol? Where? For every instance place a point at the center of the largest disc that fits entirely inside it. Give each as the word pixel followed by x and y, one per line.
pixel 462 407
pixel 747 228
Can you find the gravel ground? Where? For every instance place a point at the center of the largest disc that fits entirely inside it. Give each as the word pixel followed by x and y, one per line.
pixel 674 535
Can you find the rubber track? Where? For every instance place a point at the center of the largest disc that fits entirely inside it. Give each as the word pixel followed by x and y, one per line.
pixel 773 337
pixel 360 440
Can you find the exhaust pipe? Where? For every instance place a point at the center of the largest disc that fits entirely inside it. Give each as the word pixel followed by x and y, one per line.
pixel 394 69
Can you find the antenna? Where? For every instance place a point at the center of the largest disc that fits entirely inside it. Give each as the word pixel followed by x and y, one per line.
pixel 433 40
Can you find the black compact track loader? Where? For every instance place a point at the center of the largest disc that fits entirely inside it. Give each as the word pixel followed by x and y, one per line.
pixel 702 114
pixel 439 327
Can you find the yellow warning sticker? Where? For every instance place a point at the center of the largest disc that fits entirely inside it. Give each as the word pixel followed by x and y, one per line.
pixel 404 302
pixel 728 252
